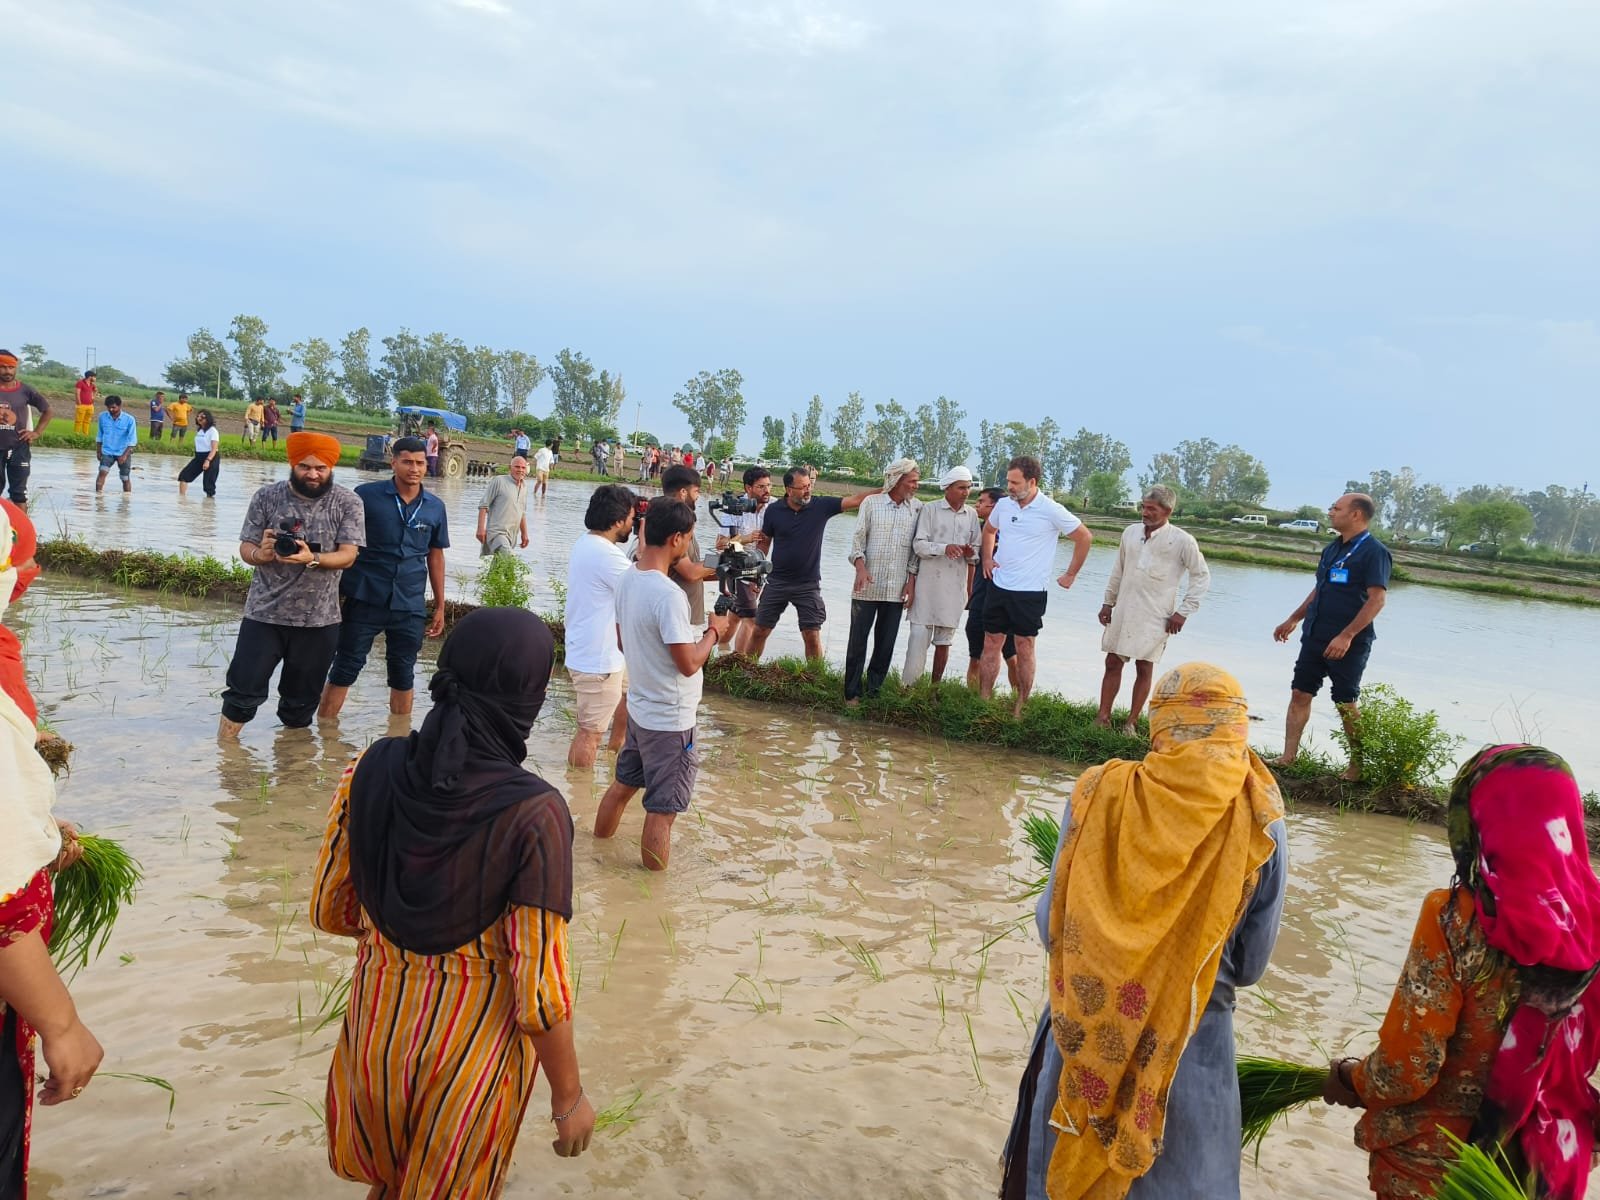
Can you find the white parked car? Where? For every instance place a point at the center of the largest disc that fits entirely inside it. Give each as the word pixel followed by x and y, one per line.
pixel 1251 519
pixel 1304 523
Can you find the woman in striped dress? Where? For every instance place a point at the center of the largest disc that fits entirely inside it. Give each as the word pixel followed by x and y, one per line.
pixel 452 867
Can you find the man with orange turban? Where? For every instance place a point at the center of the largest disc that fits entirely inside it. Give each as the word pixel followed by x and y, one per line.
pixel 299 534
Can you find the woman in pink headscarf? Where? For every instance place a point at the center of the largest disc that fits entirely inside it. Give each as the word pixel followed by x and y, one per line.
pixel 1494 1029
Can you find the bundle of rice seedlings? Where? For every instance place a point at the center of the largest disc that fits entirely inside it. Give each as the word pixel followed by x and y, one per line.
pixel 1479 1176
pixel 1269 1088
pixel 89 895
pixel 1041 831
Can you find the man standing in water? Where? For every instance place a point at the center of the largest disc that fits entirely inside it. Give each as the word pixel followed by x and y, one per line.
pixel 407 532
pixel 116 434
pixel 542 458
pixel 881 552
pixel 794 529
pixel 503 511
pixel 1352 585
pixel 594 660
pixel 1139 613
pixel 946 544
pixel 299 534
pixel 665 655
pixel 1019 571
pixel 16 439
pixel 987 499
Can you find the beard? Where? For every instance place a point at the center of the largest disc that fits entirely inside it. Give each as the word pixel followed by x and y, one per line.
pixel 311 491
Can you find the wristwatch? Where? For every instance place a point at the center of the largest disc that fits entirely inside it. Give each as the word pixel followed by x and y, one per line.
pixel 316 561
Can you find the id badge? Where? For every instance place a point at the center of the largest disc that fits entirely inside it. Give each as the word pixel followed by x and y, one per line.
pixel 1339 575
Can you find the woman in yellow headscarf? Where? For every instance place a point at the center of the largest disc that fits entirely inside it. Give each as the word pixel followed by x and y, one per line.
pixel 1165 897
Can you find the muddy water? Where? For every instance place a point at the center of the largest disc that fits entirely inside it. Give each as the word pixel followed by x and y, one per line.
pixel 803 1005
pixel 1495 669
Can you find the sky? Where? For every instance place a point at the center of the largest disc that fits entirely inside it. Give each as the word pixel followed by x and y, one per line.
pixel 1344 235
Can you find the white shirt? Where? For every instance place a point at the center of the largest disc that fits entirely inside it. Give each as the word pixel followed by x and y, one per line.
pixel 653 614
pixel 1143 590
pixel 594 570
pixel 206 440
pixel 541 458
pixel 1025 558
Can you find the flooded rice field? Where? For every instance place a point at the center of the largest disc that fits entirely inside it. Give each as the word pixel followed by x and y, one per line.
pixel 1495 668
pixel 830 994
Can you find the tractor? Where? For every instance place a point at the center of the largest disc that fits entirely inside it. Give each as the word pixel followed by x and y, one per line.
pixel 412 421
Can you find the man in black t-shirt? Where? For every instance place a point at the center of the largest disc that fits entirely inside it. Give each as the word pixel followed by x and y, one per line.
pixel 795 530
pixel 16 450
pixel 1352 585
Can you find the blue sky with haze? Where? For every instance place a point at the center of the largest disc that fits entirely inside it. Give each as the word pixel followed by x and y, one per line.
pixel 1344 235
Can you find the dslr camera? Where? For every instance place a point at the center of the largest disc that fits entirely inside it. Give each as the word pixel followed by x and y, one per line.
pixel 288 541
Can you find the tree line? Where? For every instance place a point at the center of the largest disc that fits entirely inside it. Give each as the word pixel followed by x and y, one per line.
pixel 1562 519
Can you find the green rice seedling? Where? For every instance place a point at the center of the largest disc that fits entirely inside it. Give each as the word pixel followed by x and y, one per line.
pixel 761 950
pixel 1269 1088
pixel 89 895
pixel 938 992
pixel 757 1000
pixel 868 960
pixel 621 1114
pixel 153 1080
pixel 1016 1007
pixel 672 936
pixel 977 1067
pixel 1478 1175
pixel 1041 832
pixel 830 1019
pixel 983 969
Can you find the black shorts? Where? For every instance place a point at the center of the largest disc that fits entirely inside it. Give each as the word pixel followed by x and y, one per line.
pixel 777 595
pixel 1020 614
pixel 975 637
pixel 1344 674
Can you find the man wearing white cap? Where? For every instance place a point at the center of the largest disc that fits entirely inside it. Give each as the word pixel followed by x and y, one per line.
pixel 945 549
pixel 881 551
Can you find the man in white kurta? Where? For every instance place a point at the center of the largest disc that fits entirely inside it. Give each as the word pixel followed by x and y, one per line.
pixel 1141 607
pixel 944 549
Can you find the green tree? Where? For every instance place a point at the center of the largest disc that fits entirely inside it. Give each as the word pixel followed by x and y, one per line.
pixel 34 356
pixel 473 376
pixel 367 388
pixel 846 425
pixel 712 401
pixel 316 358
pixel 207 368
pixel 885 435
pixel 1105 490
pixel 611 396
pixel 1087 452
pixel 814 453
pixel 408 359
pixel 519 374
pixel 1050 448
pixel 811 431
pixel 579 394
pixel 420 395
pixel 259 364
pixel 773 441
pixel 1500 521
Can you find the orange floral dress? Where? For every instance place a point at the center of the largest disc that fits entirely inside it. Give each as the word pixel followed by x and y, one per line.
pixel 1435 1050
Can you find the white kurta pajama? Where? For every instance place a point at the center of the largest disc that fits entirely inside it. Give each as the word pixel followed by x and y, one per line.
pixel 1143 590
pixel 939 604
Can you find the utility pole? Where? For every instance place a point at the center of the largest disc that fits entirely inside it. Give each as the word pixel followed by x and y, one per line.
pixel 638 408
pixel 91 358
pixel 1577 514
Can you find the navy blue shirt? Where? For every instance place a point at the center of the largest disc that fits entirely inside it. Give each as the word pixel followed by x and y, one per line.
pixel 797 538
pixel 1366 562
pixel 392 568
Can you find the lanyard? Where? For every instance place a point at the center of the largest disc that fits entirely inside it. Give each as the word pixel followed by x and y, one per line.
pixel 411 521
pixel 1353 547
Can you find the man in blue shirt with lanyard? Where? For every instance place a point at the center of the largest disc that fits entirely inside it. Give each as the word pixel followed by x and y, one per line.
pixel 407 532
pixel 1352 584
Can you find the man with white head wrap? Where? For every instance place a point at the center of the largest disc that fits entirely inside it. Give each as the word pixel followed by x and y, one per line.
pixel 881 551
pixel 944 549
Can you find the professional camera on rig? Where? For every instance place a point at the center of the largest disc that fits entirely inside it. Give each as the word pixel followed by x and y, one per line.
pixel 737 563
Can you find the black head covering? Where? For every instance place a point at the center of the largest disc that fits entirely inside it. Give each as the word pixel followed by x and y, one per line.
pixel 446 827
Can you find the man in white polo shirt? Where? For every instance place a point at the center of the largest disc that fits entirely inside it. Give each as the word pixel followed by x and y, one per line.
pixel 594 657
pixel 1019 570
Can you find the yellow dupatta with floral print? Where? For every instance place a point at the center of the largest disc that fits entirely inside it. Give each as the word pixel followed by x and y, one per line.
pixel 1158 864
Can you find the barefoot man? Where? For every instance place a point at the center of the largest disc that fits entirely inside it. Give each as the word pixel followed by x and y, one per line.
pixel 1352 584
pixel 1018 571
pixel 1141 609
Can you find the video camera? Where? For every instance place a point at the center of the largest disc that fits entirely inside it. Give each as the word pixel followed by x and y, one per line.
pixel 738 564
pixel 287 540
pixel 735 504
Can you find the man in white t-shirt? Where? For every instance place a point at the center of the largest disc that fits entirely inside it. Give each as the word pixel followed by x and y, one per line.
pixel 542 458
pixel 594 659
pixel 665 654
pixel 1019 571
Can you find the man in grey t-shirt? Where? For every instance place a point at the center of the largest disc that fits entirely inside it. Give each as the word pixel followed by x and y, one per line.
pixel 299 534
pixel 503 511
pixel 664 654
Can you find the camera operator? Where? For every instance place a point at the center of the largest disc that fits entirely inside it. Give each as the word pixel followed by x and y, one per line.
pixel 795 528
pixel 594 660
pixel 746 527
pixel 298 534
pixel 689 572
pixel 665 656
